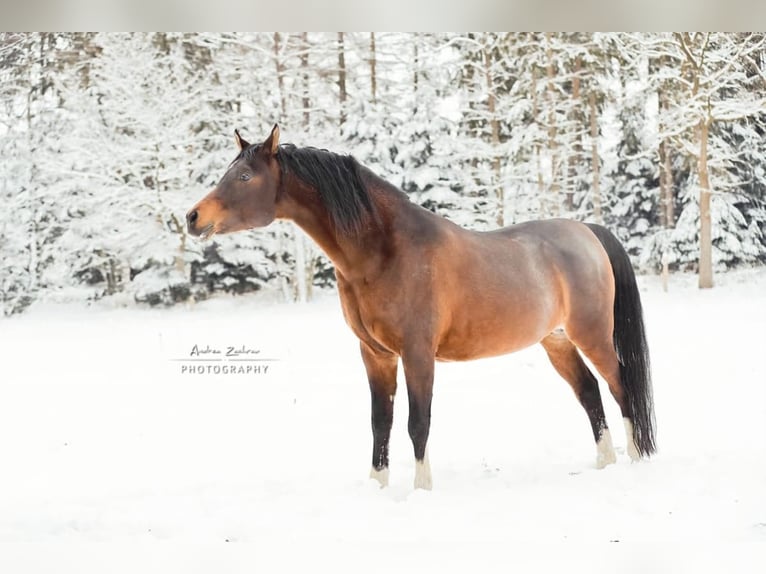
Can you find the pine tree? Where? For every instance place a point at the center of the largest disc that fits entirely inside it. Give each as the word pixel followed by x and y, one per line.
pixel 107 140
pixel 633 209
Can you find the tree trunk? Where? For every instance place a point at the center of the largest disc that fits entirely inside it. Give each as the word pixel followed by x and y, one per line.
pixel 180 257
pixel 695 66
pixel 670 210
pixel 415 72
pixel 595 162
pixel 342 94
pixel 495 138
pixel 305 73
pixel 302 279
pixel 667 215
pixel 305 256
pixel 552 143
pixel 576 155
pixel 662 153
pixel 37 87
pixel 280 68
pixel 706 243
pixel 538 158
pixel 373 63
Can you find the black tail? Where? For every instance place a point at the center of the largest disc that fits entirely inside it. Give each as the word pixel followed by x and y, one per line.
pixel 630 343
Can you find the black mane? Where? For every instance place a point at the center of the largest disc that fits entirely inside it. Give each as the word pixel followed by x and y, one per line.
pixel 338 180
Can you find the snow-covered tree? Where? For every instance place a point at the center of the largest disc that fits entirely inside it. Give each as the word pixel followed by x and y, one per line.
pixel 634 204
pixel 107 140
pixel 715 75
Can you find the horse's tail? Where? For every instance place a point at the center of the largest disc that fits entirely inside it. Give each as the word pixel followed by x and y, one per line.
pixel 630 343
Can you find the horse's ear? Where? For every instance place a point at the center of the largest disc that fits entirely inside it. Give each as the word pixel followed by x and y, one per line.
pixel 240 141
pixel 272 142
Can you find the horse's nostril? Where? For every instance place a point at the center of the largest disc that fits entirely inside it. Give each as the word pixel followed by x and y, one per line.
pixel 192 216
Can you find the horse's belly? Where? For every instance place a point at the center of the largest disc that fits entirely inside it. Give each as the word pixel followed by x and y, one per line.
pixel 469 344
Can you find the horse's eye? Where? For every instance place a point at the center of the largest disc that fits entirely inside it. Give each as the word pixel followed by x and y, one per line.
pixel 245 176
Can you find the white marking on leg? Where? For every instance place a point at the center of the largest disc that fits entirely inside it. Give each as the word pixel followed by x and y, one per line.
pixel 605 450
pixel 423 473
pixel 380 475
pixel 632 448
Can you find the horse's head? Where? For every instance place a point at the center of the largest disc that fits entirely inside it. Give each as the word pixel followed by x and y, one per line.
pixel 246 195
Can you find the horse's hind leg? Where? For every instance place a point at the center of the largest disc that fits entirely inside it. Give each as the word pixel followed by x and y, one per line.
pixel 567 361
pixel 604 359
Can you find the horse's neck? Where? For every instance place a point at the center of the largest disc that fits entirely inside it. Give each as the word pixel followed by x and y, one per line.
pixel 351 255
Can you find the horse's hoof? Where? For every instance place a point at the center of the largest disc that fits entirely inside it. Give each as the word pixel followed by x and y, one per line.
pixel 604 460
pixel 423 483
pixel 632 448
pixel 380 475
pixel 605 454
pixel 423 474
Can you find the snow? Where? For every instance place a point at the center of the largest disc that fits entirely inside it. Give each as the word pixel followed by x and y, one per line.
pixel 105 441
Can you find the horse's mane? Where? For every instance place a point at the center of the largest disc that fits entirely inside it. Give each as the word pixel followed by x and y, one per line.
pixel 338 180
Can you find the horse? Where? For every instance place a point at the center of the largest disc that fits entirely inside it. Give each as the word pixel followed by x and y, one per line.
pixel 418 288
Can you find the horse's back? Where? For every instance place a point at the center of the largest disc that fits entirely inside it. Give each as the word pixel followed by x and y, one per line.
pixel 574 254
pixel 569 245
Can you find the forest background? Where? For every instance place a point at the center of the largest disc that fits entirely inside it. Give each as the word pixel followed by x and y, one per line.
pixel 107 139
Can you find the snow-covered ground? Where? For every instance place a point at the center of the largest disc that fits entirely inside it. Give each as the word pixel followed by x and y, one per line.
pixel 104 439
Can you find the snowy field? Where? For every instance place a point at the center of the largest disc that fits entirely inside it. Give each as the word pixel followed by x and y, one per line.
pixel 113 459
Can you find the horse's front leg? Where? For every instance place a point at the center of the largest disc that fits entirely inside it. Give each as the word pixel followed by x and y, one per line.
pixel 381 374
pixel 418 366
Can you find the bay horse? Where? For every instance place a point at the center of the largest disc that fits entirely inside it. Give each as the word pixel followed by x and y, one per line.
pixel 414 286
